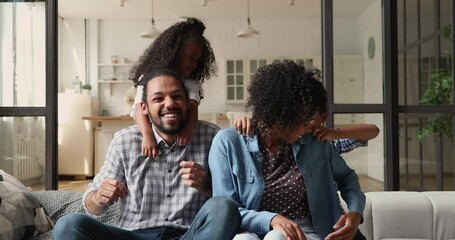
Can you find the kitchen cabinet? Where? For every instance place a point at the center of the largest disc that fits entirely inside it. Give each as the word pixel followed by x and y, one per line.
pixel 104 134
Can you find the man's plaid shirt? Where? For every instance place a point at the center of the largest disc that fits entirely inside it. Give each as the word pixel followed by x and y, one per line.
pixel 346 145
pixel 156 194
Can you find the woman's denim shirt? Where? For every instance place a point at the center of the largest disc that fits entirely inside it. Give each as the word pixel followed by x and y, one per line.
pixel 236 169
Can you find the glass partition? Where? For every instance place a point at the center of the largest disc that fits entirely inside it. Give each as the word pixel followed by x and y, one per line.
pixel 22 148
pixel 22 62
pixel 367 161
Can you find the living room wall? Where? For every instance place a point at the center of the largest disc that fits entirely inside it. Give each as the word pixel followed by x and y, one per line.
pixel 279 38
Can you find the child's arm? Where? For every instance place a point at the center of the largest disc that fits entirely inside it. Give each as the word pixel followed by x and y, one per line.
pixel 185 135
pixel 361 132
pixel 149 146
pixel 243 125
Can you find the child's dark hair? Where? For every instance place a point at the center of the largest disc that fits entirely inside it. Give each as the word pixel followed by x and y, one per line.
pixel 160 72
pixel 162 53
pixel 285 94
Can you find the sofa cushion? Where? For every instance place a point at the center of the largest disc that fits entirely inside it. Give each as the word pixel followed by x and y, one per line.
pixel 401 215
pixel 59 203
pixel 21 216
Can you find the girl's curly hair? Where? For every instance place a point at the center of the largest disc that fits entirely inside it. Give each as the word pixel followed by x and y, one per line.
pixel 163 52
pixel 285 94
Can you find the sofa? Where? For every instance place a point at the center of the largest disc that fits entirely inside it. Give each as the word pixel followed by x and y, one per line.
pixel 409 215
pixel 387 215
pixel 59 203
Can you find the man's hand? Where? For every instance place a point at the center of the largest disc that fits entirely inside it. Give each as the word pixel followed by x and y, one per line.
pixel 110 191
pixel 347 226
pixel 193 175
pixel 289 228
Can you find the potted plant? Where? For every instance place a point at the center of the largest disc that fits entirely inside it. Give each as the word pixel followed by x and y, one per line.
pixel 439 93
pixel 86 88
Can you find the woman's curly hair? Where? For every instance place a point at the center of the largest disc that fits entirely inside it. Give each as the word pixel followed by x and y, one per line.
pixel 163 52
pixel 285 94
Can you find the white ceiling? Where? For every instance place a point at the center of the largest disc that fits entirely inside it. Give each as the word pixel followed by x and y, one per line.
pixel 215 9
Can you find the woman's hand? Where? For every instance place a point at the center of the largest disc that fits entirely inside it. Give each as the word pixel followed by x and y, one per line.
pixel 287 227
pixel 347 226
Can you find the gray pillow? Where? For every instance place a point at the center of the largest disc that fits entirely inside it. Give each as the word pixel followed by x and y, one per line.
pixel 21 216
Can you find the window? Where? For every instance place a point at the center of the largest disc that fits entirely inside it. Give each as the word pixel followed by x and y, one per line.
pixel 239 74
pixel 235 82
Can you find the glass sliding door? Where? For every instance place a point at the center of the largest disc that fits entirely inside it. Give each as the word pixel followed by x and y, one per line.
pixel 426 95
pixel 357 83
pixel 23 109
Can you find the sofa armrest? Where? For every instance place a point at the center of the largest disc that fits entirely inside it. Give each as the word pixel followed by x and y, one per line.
pixel 444 213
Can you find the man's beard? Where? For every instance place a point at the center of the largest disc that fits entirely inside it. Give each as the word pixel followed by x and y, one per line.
pixel 174 129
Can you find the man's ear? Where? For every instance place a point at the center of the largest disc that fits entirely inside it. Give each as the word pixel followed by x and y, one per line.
pixel 144 108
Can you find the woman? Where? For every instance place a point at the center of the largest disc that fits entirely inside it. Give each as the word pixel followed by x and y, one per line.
pixel 285 181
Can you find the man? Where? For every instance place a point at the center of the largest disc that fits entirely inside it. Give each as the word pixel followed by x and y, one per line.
pixel 161 198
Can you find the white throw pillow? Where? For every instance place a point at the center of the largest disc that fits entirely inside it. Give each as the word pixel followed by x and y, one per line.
pixel 21 216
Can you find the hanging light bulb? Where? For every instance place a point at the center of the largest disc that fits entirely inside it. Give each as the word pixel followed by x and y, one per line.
pixel 248 31
pixel 152 32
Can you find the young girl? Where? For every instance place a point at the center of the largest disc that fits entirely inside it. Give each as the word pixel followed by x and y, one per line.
pixel 343 139
pixel 183 48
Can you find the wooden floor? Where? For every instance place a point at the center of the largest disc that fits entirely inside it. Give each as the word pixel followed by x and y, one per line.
pixel 370 185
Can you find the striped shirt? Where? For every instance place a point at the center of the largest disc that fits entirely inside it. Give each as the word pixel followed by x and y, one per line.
pixel 156 195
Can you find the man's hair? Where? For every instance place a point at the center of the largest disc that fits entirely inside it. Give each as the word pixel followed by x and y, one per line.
pixel 161 72
pixel 285 94
pixel 163 52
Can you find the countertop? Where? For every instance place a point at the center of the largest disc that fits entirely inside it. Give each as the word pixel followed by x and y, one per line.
pixel 108 118
pixel 128 118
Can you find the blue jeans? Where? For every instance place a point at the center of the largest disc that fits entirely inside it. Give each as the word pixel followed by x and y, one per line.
pixel 219 218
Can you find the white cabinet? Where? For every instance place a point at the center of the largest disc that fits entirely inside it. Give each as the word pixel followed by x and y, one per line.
pixel 348 86
pixel 348 79
pixel 105 134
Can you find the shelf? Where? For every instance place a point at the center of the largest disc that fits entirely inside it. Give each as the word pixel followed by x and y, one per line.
pixel 110 82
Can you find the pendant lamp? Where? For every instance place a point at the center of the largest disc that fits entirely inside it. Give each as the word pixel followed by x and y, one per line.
pixel 248 31
pixel 152 32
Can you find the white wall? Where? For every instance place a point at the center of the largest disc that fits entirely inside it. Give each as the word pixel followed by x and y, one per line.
pixel 279 38
pixel 71 41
